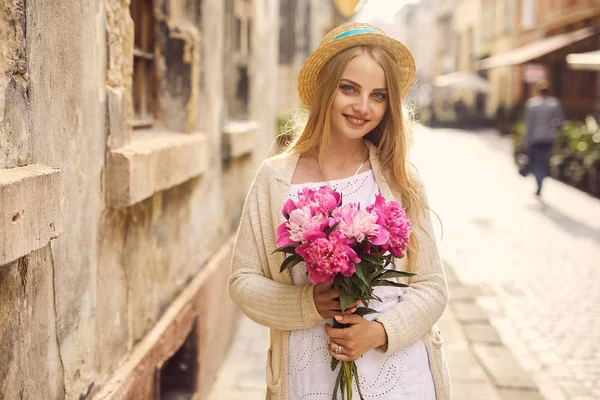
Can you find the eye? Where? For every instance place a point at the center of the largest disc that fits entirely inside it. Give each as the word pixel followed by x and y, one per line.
pixel 379 96
pixel 347 88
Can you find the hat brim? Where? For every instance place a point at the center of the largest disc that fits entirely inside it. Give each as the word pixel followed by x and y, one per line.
pixel 307 78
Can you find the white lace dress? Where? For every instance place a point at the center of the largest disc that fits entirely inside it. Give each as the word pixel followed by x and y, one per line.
pixel 403 375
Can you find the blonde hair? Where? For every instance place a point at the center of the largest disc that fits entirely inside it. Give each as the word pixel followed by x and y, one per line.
pixel 391 136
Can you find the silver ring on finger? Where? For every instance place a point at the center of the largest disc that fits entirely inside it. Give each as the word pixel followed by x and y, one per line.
pixel 338 349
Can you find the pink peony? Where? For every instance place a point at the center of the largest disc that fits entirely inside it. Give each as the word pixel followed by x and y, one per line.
pixel 301 222
pixel 392 218
pixel 288 207
pixel 327 256
pixel 357 224
pixel 324 198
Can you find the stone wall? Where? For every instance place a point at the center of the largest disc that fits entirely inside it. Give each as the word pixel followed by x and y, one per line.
pixel 141 213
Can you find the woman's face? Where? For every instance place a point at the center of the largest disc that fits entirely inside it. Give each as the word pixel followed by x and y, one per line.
pixel 361 99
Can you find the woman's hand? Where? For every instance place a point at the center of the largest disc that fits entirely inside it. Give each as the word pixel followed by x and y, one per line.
pixel 361 336
pixel 327 301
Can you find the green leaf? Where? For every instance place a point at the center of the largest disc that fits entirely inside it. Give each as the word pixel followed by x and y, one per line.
pixel 390 273
pixel 389 283
pixel 373 259
pixel 332 228
pixel 290 261
pixel 348 378
pixel 373 275
pixel 364 290
pixel 355 373
pixel 337 382
pixel 362 311
pixel 360 271
pixel 346 298
pixel 334 363
pixel 338 281
pixel 287 249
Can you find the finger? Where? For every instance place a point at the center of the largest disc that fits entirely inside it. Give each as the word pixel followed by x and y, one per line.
pixel 337 348
pixel 335 333
pixel 334 305
pixel 349 311
pixel 349 319
pixel 342 342
pixel 341 356
pixel 332 293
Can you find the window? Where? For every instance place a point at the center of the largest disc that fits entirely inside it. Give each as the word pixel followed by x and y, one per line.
pixel 144 65
pixel 588 84
pixel 509 6
pixel 238 53
pixel 528 14
pixel 488 17
pixel 194 8
pixel 287 34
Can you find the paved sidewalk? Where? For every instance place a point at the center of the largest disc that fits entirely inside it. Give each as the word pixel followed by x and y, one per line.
pixel 535 263
pixel 481 367
pixel 242 375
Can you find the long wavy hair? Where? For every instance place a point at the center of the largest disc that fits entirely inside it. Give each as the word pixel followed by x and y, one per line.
pixel 392 135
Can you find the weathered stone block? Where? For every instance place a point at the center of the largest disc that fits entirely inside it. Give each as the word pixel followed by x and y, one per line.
pixel 30 363
pixel 469 312
pixel 463 293
pixel 15 126
pixel 474 391
pixel 154 161
pixel 509 394
pixel 502 367
pixel 239 138
pixel 31 212
pixel 482 333
pixel 112 319
pixel 202 305
pixel 118 134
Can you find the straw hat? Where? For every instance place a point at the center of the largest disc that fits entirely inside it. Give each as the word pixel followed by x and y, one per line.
pixel 346 36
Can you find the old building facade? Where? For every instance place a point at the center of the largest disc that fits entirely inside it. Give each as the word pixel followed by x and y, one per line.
pixel 529 41
pixel 130 131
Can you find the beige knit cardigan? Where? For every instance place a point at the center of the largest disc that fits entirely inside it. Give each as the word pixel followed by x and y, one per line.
pixel 269 298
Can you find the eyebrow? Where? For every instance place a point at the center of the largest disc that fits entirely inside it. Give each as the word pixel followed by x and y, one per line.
pixel 359 86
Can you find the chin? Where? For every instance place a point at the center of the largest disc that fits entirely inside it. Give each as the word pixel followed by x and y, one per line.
pixel 355 135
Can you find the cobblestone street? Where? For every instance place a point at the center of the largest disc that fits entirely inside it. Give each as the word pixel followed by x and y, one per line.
pixel 535 261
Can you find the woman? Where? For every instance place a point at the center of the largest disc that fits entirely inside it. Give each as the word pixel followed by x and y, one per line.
pixel 355 142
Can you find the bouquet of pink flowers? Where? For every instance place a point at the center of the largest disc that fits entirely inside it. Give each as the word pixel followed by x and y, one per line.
pixel 348 247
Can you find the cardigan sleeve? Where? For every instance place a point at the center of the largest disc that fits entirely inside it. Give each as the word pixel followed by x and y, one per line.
pixel 273 304
pixel 424 301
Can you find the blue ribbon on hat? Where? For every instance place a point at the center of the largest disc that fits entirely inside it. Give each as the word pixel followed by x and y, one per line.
pixel 356 31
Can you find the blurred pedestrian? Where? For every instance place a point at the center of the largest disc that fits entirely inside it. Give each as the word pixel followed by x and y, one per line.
pixel 543 116
pixel 355 141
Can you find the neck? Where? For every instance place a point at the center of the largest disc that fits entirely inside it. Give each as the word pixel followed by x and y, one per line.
pixel 345 153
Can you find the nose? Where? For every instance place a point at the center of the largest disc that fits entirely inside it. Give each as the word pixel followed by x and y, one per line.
pixel 362 104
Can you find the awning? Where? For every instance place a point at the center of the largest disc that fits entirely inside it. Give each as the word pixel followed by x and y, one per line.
pixel 462 80
pixel 536 49
pixel 589 61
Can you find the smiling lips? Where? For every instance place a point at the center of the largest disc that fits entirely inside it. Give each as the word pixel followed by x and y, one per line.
pixel 354 121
